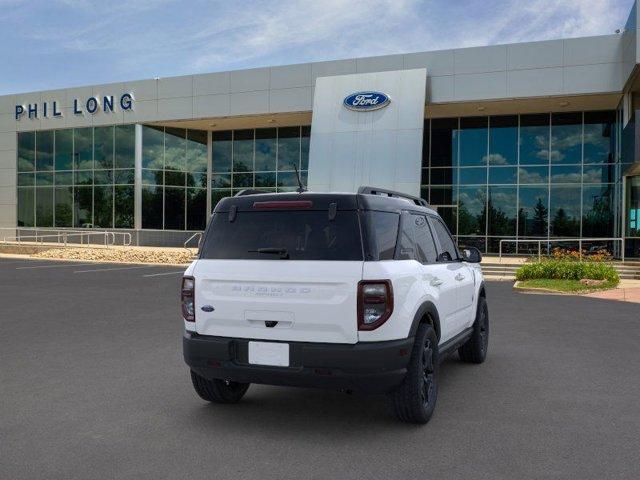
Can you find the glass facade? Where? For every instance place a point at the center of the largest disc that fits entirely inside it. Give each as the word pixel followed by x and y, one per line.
pixel 174 178
pixel 264 158
pixel 538 176
pixel 80 177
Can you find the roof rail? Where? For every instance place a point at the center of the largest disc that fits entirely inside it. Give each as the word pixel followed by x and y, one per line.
pixel 250 191
pixel 391 193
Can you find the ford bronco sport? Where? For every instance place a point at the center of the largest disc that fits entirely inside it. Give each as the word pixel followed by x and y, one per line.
pixel 363 292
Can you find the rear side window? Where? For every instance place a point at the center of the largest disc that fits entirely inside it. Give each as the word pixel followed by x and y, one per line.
pixel 425 246
pixel 282 235
pixel 448 248
pixel 382 234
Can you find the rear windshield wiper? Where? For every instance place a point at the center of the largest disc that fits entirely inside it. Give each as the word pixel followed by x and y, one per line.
pixel 283 252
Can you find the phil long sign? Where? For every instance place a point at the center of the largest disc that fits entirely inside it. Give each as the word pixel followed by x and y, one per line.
pixel 91 105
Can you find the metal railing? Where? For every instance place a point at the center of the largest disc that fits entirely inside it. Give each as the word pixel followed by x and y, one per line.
pixel 197 235
pixel 76 238
pixel 548 241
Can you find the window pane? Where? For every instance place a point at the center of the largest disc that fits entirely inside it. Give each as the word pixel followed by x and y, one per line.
pixel 197 179
pixel 26 179
pixel 565 211
pixel 599 141
pixel 443 176
pixel 175 149
pixel 471 210
pixel 473 141
pixel 83 177
pixel 600 173
pixel 221 151
pixel 265 180
pixel 152 177
pixel 382 234
pixel 243 150
pixel 534 174
pixel 26 151
pixel 64 206
pixel 534 139
pixel 304 147
pixel 446 242
pixel 125 151
pixel 288 148
pixel 566 174
pixel 103 147
pixel 597 211
pixel 503 175
pixel 152 147
pixel 242 180
pixel 102 177
pixel 172 178
pixel 502 211
pixel 266 149
pixel 220 181
pixel 533 214
pixel 124 176
pixel 83 204
pixel 174 200
pixel 152 207
pixel 196 151
pixel 44 150
pixel 566 138
pixel 83 148
pixel 443 142
pixel 473 176
pixel 44 179
pixel 217 195
pixel 103 207
pixel 44 207
pixel 26 201
pixel 425 245
pixel 124 206
pixel 196 208
pixel 450 217
pixel 503 140
pixel 64 150
pixel 442 196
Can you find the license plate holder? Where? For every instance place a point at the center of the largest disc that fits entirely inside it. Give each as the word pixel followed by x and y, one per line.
pixel 274 354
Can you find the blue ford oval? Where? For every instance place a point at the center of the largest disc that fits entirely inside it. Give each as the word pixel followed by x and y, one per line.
pixel 366 101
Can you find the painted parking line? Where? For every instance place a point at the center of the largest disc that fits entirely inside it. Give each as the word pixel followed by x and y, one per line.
pixel 116 268
pixel 165 273
pixel 57 265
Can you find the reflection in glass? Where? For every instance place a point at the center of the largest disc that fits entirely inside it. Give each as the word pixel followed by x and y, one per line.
pixel 605 173
pixel 196 208
pixel 243 150
pixel 472 210
pixel 534 139
pixel 44 207
pixel 288 148
pixel 125 149
pixel 26 206
pixel 566 138
pixel 473 176
pixel 443 176
pixel 103 207
pixel 26 151
pixel 266 143
pixel 26 179
pixel 63 206
pixel 44 150
pixel 503 140
pixel 565 211
pixel 152 147
pixel 152 207
pixel 221 151
pixel 63 150
pixel 597 211
pixel 83 206
pixel 103 147
pixel 444 147
pixel 44 179
pixel 502 175
pixel 599 141
pixel 196 151
pixel 304 147
pixel 501 208
pixel 174 208
pixel 123 206
pixel 533 175
pixel 473 141
pixel 571 174
pixel 533 213
pixel 442 196
pixel 175 149
pixel 83 148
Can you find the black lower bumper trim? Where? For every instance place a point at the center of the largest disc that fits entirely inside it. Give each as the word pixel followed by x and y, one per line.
pixel 372 367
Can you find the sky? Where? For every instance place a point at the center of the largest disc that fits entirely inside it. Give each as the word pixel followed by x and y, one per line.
pixel 48 44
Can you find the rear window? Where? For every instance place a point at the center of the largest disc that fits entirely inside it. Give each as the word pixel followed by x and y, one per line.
pixel 281 235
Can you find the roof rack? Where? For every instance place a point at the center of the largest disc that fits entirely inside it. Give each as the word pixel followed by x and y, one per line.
pixel 250 191
pixel 391 193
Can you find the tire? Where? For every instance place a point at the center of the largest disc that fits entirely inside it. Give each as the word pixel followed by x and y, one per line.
pixel 475 350
pixel 415 399
pixel 218 391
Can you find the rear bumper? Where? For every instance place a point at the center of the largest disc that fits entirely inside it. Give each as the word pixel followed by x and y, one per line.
pixel 373 367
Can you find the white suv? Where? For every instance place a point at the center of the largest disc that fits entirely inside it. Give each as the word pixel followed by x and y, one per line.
pixel 363 292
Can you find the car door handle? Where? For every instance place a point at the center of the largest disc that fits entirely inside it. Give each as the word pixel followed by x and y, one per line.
pixel 436 282
pixel 459 277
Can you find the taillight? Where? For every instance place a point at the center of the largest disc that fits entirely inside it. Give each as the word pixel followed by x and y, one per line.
pixel 375 303
pixel 187 297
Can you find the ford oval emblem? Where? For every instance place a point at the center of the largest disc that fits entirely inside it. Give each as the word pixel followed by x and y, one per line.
pixel 366 101
pixel 207 308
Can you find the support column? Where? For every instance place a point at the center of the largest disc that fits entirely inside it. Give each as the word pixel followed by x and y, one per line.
pixel 209 170
pixel 138 180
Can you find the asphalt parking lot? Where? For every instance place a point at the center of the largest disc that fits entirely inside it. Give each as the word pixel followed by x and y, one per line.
pixel 93 386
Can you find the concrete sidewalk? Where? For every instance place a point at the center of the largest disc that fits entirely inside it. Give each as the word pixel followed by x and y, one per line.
pixel 627 291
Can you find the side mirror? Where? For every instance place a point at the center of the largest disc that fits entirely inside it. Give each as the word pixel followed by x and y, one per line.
pixel 471 255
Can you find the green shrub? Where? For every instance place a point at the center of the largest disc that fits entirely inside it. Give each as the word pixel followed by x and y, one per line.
pixel 567 270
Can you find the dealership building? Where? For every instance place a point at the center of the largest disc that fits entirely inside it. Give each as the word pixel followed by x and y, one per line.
pixel 519 142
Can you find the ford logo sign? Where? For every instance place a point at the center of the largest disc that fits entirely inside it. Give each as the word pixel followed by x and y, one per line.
pixel 366 101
